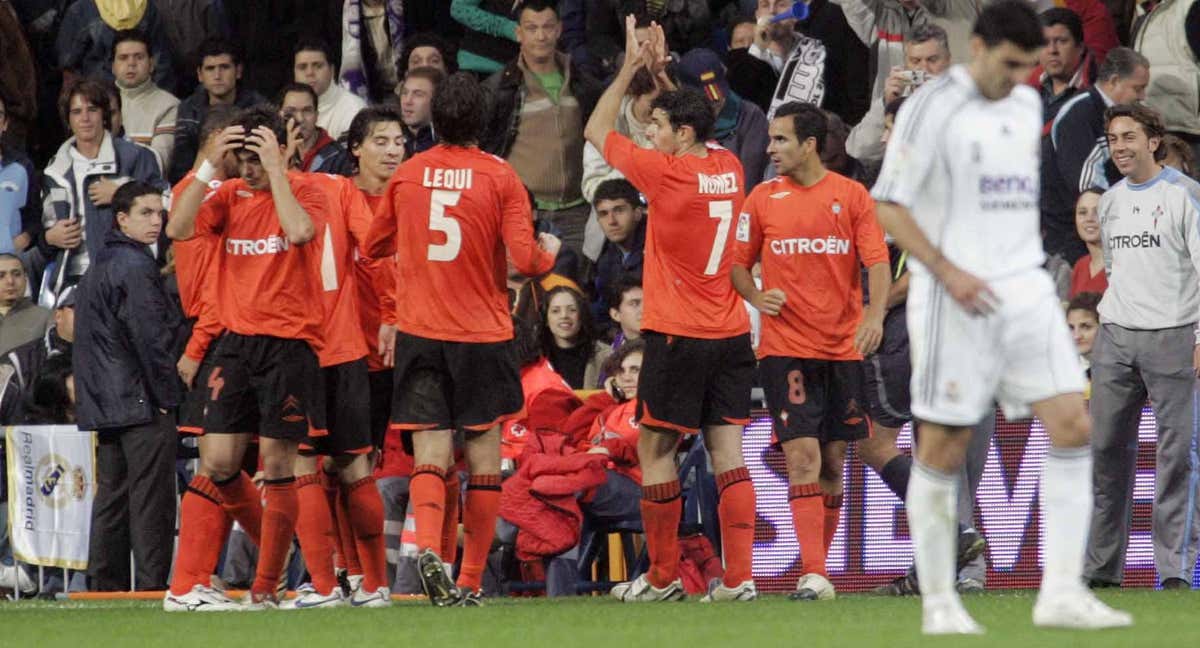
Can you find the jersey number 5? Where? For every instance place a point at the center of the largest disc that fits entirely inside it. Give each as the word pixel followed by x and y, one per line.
pixel 440 222
pixel 723 211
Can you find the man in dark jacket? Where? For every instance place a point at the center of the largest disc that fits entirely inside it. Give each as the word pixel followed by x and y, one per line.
pixel 220 74
pixel 126 389
pixel 622 217
pixel 540 103
pixel 317 151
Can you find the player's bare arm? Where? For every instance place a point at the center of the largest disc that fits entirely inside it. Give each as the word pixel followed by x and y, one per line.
pixel 296 223
pixel 181 224
pixel 604 116
pixel 870 330
pixel 769 302
pixel 971 292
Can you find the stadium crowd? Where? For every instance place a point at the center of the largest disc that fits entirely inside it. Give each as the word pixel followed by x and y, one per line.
pixel 119 319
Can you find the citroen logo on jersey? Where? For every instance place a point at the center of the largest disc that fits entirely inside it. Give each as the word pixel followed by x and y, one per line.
pixel 254 247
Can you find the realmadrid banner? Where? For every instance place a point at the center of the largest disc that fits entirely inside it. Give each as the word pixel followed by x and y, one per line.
pixel 872 544
pixel 51 485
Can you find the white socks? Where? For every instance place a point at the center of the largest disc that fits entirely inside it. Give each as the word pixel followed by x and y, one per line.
pixel 932 505
pixel 1066 507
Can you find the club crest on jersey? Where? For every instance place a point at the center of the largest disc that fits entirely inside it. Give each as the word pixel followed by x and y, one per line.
pixel 743 228
pixel 1157 213
pixel 837 208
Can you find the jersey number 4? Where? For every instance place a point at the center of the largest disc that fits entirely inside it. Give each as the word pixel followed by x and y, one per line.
pixel 440 222
pixel 722 210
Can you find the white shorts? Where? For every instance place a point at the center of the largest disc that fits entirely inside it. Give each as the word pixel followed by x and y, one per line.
pixel 1018 355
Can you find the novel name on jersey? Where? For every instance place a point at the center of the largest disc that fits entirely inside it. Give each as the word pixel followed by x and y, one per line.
pixel 455 179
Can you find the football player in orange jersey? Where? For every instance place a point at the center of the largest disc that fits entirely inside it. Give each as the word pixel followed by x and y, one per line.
pixel 813 230
pixel 698 365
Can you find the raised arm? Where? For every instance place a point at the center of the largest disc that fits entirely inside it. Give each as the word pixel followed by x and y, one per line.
pixel 297 223
pixel 181 224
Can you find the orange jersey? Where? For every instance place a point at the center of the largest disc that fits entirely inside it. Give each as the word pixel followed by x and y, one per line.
pixel 265 284
pixel 811 241
pixel 689 237
pixel 449 213
pixel 347 222
pixel 376 295
pixel 194 275
pixel 549 400
pixel 617 430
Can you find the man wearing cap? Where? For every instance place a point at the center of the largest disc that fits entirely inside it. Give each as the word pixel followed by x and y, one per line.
pixel 540 103
pixel 20 319
pixel 741 125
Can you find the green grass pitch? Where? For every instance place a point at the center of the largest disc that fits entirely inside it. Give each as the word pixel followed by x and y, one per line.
pixel 1166 619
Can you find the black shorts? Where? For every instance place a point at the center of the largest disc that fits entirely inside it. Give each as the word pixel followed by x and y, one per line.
pixel 440 385
pixel 347 412
pixel 821 399
pixel 190 418
pixel 688 383
pixel 381 405
pixel 261 384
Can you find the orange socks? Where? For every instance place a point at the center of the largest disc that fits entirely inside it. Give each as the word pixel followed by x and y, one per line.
pixel 241 501
pixel 347 546
pixel 833 512
pixel 809 522
pixel 736 511
pixel 479 528
pixel 201 521
pixel 365 510
pixel 450 521
pixel 278 526
pixel 661 510
pixel 314 527
pixel 427 492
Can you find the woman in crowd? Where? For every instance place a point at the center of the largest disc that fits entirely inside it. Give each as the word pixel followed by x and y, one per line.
pixel 1088 274
pixel 1084 320
pixel 1179 155
pixel 569 338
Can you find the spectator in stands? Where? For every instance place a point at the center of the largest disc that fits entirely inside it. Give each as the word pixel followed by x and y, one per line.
pixel 1066 66
pixel 127 389
pixel 833 151
pixel 1075 155
pixel 621 215
pixel 822 46
pixel 28 359
pixel 147 111
pixel 416 101
pixel 926 56
pixel 18 88
pixel 51 400
pixel 81 179
pixel 741 126
pixel 1088 274
pixel 187 24
pixel 1083 317
pixel 751 78
pixel 491 38
pixel 220 74
pixel 89 28
pixel 569 338
pixel 540 103
pixel 21 320
pixel 20 217
pixel 428 50
pixel 312 63
pixel 317 151
pixel 1180 156
pixel 372 41
pixel 625 308
pixel 1169 37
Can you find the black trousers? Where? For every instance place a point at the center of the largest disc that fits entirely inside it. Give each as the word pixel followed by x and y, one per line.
pixel 135 506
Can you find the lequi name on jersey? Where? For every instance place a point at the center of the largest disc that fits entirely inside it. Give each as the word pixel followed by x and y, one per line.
pixel 456 179
pixel 726 183
pixel 254 247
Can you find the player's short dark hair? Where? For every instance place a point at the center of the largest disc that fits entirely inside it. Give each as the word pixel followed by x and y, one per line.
pixel 587 331
pixel 1013 21
pixel 92 91
pixel 537 6
pixel 807 121
pixel 1065 17
pixel 460 108
pixel 313 44
pixel 1149 118
pixel 261 115
pixel 129 36
pixel 893 107
pixel 296 86
pixel 216 46
pixel 1086 301
pixel 364 122
pixel 617 291
pixel 687 107
pixel 612 364
pixel 219 118
pixel 618 189
pixel 430 39
pixel 427 72
pixel 1122 63
pixel 129 192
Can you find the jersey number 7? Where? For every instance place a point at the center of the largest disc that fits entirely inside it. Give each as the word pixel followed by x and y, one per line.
pixel 723 211
pixel 440 222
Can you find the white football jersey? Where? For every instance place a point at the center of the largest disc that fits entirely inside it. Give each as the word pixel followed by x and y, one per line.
pixel 967 168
